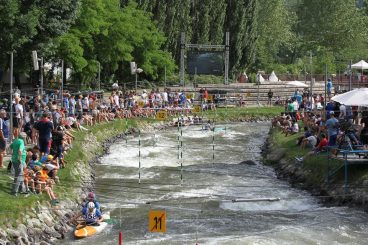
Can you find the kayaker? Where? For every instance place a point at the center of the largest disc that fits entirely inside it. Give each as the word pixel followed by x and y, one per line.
pixel 91 197
pixel 91 214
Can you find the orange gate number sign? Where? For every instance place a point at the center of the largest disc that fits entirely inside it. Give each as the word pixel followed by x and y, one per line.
pixel 157 221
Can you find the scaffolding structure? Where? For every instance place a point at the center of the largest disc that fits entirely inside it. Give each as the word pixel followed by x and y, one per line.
pixel 225 48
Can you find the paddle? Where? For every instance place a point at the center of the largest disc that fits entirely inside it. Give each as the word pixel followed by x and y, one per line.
pixel 85 224
pixel 110 221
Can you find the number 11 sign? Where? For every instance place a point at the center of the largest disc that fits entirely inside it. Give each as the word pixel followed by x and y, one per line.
pixel 157 221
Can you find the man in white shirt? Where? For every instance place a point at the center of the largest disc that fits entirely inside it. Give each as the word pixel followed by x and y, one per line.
pixel 296 106
pixel 18 110
pixel 116 101
pixel 310 142
pixel 165 98
pixel 85 104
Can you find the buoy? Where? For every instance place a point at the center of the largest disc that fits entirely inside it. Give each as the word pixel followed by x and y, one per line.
pixel 120 238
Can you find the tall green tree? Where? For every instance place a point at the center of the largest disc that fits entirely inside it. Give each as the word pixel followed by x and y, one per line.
pixel 113 36
pixel 33 25
pixel 274 34
pixel 337 25
pixel 241 22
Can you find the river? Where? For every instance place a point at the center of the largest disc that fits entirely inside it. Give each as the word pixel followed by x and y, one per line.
pixel 197 183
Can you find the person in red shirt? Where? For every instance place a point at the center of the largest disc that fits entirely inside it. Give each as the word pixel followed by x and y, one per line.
pixel 205 96
pixel 322 144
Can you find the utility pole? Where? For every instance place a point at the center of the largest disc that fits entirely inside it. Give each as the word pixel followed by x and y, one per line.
pixel 195 76
pixel 41 76
pixel 350 74
pixel 326 67
pixel 311 74
pixel 165 78
pixel 136 79
pixel 11 95
pixel 99 76
pixel 62 83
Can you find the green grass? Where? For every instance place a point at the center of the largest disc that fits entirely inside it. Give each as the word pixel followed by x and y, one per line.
pixel 14 209
pixel 238 113
pixel 316 166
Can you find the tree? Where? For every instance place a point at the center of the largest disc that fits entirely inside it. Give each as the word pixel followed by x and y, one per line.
pixel 113 36
pixel 33 25
pixel 337 25
pixel 17 27
pixel 241 22
pixel 275 34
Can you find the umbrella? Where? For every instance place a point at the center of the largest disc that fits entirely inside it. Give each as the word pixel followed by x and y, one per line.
pixel 357 97
pixel 297 84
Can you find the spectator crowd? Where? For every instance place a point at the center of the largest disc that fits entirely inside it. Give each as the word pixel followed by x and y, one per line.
pixel 43 126
pixel 334 127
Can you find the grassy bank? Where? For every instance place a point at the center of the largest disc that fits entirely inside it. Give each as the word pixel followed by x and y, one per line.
pixel 317 169
pixel 242 113
pixel 86 146
pixel 14 209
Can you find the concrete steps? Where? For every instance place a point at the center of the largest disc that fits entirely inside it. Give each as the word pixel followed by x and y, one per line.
pixel 252 94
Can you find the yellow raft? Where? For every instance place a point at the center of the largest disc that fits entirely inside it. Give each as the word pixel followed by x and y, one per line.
pixel 83 231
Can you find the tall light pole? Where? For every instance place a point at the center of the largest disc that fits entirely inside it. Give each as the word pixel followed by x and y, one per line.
pixel 165 78
pixel 41 76
pixel 62 83
pixel 195 76
pixel 326 68
pixel 99 76
pixel 350 74
pixel 136 71
pixel 311 74
pixel 11 95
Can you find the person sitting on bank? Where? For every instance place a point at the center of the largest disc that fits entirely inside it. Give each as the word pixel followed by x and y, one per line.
pixel 294 129
pixel 319 148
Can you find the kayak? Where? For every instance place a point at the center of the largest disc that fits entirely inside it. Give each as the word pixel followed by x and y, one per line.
pixel 83 231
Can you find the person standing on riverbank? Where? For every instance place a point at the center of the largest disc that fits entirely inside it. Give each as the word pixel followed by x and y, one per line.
pixel 2 137
pixel 269 95
pixel 18 162
pixel 44 128
pixel 332 129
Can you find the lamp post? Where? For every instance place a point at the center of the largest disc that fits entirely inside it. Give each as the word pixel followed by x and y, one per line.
pixel 136 71
pixel 11 95
pixel 350 74
pixel 41 76
pixel 99 76
pixel 62 84
pixel 311 74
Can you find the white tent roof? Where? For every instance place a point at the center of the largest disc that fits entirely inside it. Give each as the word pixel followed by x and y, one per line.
pixel 297 84
pixel 273 77
pixel 260 78
pixel 360 65
pixel 357 97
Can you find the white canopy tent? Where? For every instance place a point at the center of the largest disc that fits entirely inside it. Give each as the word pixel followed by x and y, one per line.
pixel 361 65
pixel 356 97
pixel 297 84
pixel 273 77
pixel 260 78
